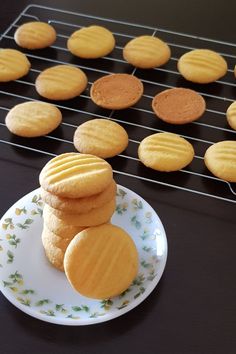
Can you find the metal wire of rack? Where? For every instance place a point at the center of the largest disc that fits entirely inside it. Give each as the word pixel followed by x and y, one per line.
pixel 139 121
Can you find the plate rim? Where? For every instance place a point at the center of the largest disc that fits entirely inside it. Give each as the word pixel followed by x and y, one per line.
pixel 109 316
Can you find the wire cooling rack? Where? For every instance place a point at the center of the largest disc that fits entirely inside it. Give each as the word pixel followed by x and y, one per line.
pixel 139 121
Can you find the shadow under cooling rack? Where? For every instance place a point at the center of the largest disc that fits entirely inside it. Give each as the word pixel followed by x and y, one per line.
pixel 139 121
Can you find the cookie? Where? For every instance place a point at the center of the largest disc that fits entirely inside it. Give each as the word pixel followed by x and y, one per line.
pixel 146 52
pixel 13 64
pixel 80 205
pixel 74 175
pixel 96 216
pixel 231 115
pixel 58 226
pixel 35 35
pixel 202 66
pixel 32 119
pixel 178 105
pixel 91 42
pixel 220 159
pixel 165 152
pixel 55 240
pixel 116 91
pixel 101 137
pixel 54 254
pixel 101 262
pixel 61 82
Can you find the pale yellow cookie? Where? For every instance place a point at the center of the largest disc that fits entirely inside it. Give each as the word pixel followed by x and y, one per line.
pixel 91 42
pixel 58 226
pixel 55 240
pixel 80 205
pixel 101 262
pixel 202 66
pixel 54 254
pixel 13 65
pixel 32 119
pixel 101 137
pixel 231 115
pixel 35 35
pixel 165 152
pixel 94 217
pixel 220 159
pixel 146 52
pixel 116 91
pixel 61 82
pixel 74 175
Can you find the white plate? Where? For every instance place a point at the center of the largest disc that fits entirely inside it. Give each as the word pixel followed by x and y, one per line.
pixel 30 283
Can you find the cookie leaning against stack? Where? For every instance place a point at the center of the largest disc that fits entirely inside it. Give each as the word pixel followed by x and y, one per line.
pixel 79 192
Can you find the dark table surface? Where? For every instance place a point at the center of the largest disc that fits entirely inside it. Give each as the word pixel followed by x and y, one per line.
pixel 193 308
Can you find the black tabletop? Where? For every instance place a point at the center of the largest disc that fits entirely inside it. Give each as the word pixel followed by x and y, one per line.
pixel 193 308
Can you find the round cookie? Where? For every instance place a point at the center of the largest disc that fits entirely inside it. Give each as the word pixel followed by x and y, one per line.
pixel 54 254
pixel 146 52
pixel 101 262
pixel 220 159
pixel 80 205
pixel 74 175
pixel 165 152
pixel 101 137
pixel 58 226
pixel 231 115
pixel 178 105
pixel 94 217
pixel 32 119
pixel 14 65
pixel 116 91
pixel 61 82
pixel 91 42
pixel 202 66
pixel 35 35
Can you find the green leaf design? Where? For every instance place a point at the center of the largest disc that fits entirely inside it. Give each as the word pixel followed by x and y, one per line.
pixel 10 256
pixel 135 222
pixel 16 277
pixel 27 291
pixel 60 308
pixel 141 291
pixel 80 308
pixel 42 302
pixel 25 225
pixel 145 264
pixel 137 205
pixel 48 312
pixel 139 280
pixel 72 317
pixel 123 305
pixel 121 193
pixel 106 304
pixel 25 302
pixel 124 293
pixel 147 249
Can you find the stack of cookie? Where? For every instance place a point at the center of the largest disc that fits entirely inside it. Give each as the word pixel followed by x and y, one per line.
pixel 79 192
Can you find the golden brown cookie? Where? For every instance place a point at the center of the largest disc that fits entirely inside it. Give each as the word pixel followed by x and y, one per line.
pixel 101 262
pixel 96 216
pixel 54 254
pixel 80 205
pixel 202 66
pixel 13 64
pixel 165 152
pixel 146 52
pixel 91 42
pixel 61 82
pixel 74 175
pixel 32 119
pixel 35 35
pixel 55 240
pixel 116 91
pixel 220 159
pixel 231 115
pixel 58 226
pixel 178 105
pixel 101 137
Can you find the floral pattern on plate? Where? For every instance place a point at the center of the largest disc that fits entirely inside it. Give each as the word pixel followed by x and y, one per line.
pixel 35 287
